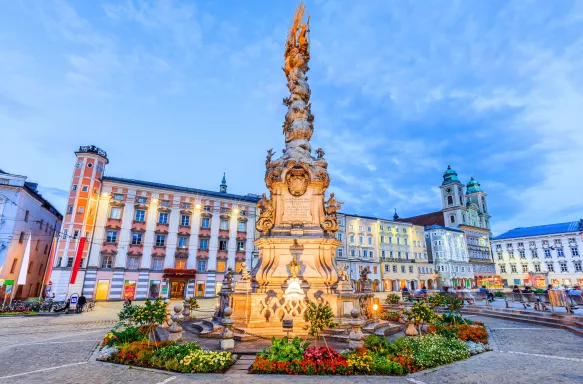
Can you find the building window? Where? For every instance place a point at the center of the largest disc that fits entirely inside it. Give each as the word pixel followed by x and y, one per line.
pixel 223 245
pixel 180 264
pixel 118 197
pixel 511 255
pixel 182 242
pixel 106 261
pixel 394 269
pixel 452 219
pixel 537 268
pixel 339 236
pixel 382 239
pixel 85 188
pixel 224 225
pixel 383 254
pixel 64 234
pixel 369 228
pixel 185 205
pixel 352 254
pixel 502 269
pixel 410 269
pixel 164 203
pixel 339 252
pixel 207 208
pixel 387 268
pixel 136 239
pixel 241 226
pixel 204 244
pixel 577 265
pixel 361 239
pixel 133 262
pixel 450 200
pixel 500 257
pixel 402 269
pixel 76 234
pixel 547 253
pixel 160 240
pixel 557 241
pixel 201 266
pixel 140 216
pixel 142 200
pixel 46 249
pixel 351 227
pixel 513 268
pixel 70 261
pixel 575 251
pixel 534 254
pixel 522 254
pixel 551 267
pixel 205 223
pixel 560 252
pixel 221 266
pixel 70 209
pixel 563 265
pixel 81 210
pixel 370 254
pixel 240 246
pixel 157 264
pixel 351 239
pixel 21 237
pixel 163 218
pixel 524 268
pixel 26 214
pixel 111 237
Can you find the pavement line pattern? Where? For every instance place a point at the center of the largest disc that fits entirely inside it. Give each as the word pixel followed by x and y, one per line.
pixel 42 370
pixel 167 380
pixel 415 381
pixel 55 342
pixel 547 356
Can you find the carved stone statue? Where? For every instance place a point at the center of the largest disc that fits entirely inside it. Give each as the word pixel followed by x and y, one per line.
pixel 266 214
pixel 343 273
pixel 294 268
pixel 332 206
pixel 245 275
pixel 364 274
pixel 270 153
pixel 228 280
pixel 320 152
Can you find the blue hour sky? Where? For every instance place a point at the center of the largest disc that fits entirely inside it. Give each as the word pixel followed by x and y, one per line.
pixel 178 91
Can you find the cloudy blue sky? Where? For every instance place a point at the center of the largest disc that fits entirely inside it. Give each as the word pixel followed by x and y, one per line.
pixel 178 91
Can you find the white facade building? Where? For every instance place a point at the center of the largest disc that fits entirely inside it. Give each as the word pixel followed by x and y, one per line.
pixel 541 255
pixel 24 214
pixel 450 256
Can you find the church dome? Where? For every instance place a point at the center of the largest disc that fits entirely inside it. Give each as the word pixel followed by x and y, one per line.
pixel 473 186
pixel 450 176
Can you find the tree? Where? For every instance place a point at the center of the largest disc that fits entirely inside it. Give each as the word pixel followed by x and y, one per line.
pixel 319 316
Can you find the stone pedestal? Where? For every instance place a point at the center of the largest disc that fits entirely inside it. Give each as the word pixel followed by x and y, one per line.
pixel 227 335
pixel 175 329
pixel 186 311
pixel 356 337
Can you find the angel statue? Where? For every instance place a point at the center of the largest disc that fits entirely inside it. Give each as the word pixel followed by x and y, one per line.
pixel 320 152
pixel 343 272
pixel 265 206
pixel 270 153
pixel 332 206
pixel 245 275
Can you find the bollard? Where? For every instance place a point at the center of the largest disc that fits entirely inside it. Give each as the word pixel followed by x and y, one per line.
pixel 227 336
pixel 175 329
pixel 356 337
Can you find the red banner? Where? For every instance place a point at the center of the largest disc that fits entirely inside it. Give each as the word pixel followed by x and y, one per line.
pixel 51 260
pixel 78 259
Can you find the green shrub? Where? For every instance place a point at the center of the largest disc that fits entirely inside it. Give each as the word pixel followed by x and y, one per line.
pixel 283 349
pixel 391 314
pixel 383 366
pixel 433 350
pixel 448 319
pixel 379 345
pixel 175 351
pixel 122 334
pixel 499 294
pixel 392 299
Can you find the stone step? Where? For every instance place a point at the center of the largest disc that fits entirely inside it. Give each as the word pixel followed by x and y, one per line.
pixel 245 337
pixel 372 327
pixel 545 316
pixel 387 330
pixel 522 319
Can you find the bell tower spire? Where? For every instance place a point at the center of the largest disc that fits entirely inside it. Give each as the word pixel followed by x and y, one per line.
pixel 223 186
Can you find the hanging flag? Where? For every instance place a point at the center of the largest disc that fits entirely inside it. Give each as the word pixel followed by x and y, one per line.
pixel 78 259
pixel 51 259
pixel 24 266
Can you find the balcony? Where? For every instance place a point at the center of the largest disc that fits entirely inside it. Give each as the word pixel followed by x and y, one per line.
pixel 113 223
pixel 162 228
pixel 184 230
pixel 181 253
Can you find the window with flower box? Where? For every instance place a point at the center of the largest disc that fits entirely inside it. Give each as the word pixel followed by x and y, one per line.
pixel 136 239
pixel 140 215
pixel 160 240
pixel 133 262
pixel 163 218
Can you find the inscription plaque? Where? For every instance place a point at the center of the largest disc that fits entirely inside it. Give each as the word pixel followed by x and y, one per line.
pixel 297 209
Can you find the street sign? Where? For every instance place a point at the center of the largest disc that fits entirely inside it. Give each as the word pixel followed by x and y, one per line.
pixel 74 298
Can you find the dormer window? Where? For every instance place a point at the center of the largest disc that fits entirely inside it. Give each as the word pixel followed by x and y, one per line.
pixel 142 200
pixel 118 196
pixel 164 203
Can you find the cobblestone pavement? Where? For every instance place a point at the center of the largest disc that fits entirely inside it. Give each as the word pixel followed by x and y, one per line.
pixel 59 350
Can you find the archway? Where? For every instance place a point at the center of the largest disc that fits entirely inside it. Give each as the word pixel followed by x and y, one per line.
pixel 375 286
pixel 429 284
pixel 412 283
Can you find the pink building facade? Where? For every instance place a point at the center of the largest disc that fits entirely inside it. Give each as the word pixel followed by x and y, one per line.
pixel 145 239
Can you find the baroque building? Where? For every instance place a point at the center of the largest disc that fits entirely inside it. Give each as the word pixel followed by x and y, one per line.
pixel 449 252
pixel 464 207
pixel 541 255
pixel 28 223
pixel 144 239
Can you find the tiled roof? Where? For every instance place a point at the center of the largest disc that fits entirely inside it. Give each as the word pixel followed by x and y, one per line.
pixel 540 230
pixel 435 226
pixel 251 199
pixel 425 220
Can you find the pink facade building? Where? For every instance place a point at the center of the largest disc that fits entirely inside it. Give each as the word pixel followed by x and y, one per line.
pixel 145 239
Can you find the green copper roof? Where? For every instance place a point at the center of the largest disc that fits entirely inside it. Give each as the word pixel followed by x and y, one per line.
pixel 473 186
pixel 450 176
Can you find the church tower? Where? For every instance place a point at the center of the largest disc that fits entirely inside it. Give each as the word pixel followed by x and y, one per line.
pixel 223 186
pixel 477 202
pixel 453 199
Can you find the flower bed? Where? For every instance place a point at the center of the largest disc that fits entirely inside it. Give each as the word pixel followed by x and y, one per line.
pixel 466 332
pixel 17 312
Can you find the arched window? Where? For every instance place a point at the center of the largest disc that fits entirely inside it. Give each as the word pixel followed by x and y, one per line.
pixel 450 200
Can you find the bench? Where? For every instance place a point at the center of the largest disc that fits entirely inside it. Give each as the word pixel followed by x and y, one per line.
pixel 513 297
pixel 482 296
pixel 575 301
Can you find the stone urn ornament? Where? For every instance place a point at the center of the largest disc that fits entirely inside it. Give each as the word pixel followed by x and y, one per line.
pixel 411 330
pixel 186 311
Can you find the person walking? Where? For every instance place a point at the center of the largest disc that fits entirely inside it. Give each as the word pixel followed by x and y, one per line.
pixel 81 304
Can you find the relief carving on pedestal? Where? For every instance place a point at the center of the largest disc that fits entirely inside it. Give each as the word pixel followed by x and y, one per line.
pixel 297 181
pixel 331 207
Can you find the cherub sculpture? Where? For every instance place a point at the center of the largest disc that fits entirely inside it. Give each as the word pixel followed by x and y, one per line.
pixel 332 206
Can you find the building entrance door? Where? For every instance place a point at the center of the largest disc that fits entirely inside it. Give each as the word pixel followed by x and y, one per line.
pixel 102 290
pixel 177 290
